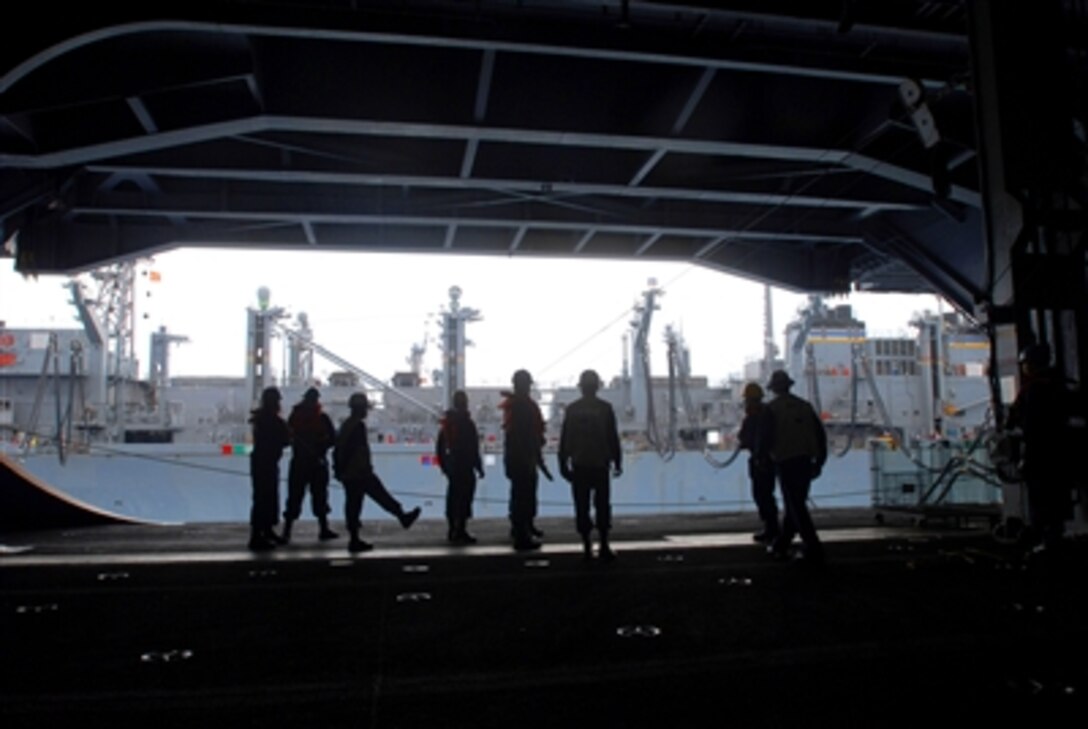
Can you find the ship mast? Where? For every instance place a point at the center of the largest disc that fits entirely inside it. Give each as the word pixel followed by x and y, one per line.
pixel 115 305
pixel 642 391
pixel 770 351
pixel 159 361
pixel 415 357
pixel 300 354
pixel 454 342
pixel 108 318
pixel 260 325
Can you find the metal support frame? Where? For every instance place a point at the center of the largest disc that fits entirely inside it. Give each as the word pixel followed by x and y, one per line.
pixel 1036 270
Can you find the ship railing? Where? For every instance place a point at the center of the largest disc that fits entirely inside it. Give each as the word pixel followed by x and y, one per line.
pixel 939 475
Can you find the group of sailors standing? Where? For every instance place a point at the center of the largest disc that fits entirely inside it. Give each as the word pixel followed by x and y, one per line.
pixel 785 438
pixel 311 435
pixel 589 456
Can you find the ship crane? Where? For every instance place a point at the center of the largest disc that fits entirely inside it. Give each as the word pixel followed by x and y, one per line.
pixel 415 357
pixel 108 319
pixel 65 414
pixel 265 321
pixel 680 376
pixel 809 314
pixel 363 374
pixel 878 400
pixel 643 393
pixel 300 356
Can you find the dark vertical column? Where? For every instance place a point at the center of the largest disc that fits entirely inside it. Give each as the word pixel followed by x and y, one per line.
pixel 1032 166
pixel 1028 65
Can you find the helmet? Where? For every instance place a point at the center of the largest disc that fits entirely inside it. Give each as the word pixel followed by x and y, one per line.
pixel 271 397
pixel 752 391
pixel 780 380
pixel 460 400
pixel 1036 356
pixel 522 378
pixel 589 379
pixel 358 401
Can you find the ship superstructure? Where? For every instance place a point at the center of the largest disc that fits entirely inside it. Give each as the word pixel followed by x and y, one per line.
pixel 167 447
pixel 82 384
pixel 931 385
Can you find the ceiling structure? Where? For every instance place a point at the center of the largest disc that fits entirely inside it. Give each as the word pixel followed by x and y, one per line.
pixel 768 139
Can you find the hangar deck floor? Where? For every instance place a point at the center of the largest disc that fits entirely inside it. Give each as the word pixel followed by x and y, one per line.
pixel 693 625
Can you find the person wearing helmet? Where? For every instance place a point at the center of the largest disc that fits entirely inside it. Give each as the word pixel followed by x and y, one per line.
pixel 589 443
pixel 1040 413
pixel 796 439
pixel 523 454
pixel 312 435
pixel 760 466
pixel 355 469
pixel 270 438
pixel 458 451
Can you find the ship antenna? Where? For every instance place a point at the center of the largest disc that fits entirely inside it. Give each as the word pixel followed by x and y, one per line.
pixel 770 352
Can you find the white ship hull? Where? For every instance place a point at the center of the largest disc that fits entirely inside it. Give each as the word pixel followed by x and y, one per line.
pixel 207 483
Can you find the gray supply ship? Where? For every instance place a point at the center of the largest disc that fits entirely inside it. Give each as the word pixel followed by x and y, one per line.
pixel 907 417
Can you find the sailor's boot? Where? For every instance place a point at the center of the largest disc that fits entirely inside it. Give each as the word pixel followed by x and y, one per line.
pixel 408 518
pixel 606 552
pixel 325 534
pixel 463 536
pixel 355 544
pixel 258 542
pixel 523 539
pixel 459 534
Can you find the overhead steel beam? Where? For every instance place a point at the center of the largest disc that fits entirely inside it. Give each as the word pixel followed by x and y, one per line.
pixel 143 115
pixel 469 160
pixel 647 167
pixel 309 34
pixel 647 244
pixel 907 178
pixel 584 241
pixel 710 247
pixel 262 124
pixel 308 230
pixel 438 220
pixel 524 186
pixel 416 130
pixel 519 236
pixel 483 86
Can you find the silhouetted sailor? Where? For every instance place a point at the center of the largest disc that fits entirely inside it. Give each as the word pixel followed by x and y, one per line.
pixel 458 452
pixel 270 437
pixel 312 435
pixel 589 443
pixel 797 442
pixel 354 468
pixel 1041 411
pixel 523 454
pixel 760 465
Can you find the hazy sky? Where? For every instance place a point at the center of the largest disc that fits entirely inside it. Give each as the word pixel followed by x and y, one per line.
pixel 552 317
